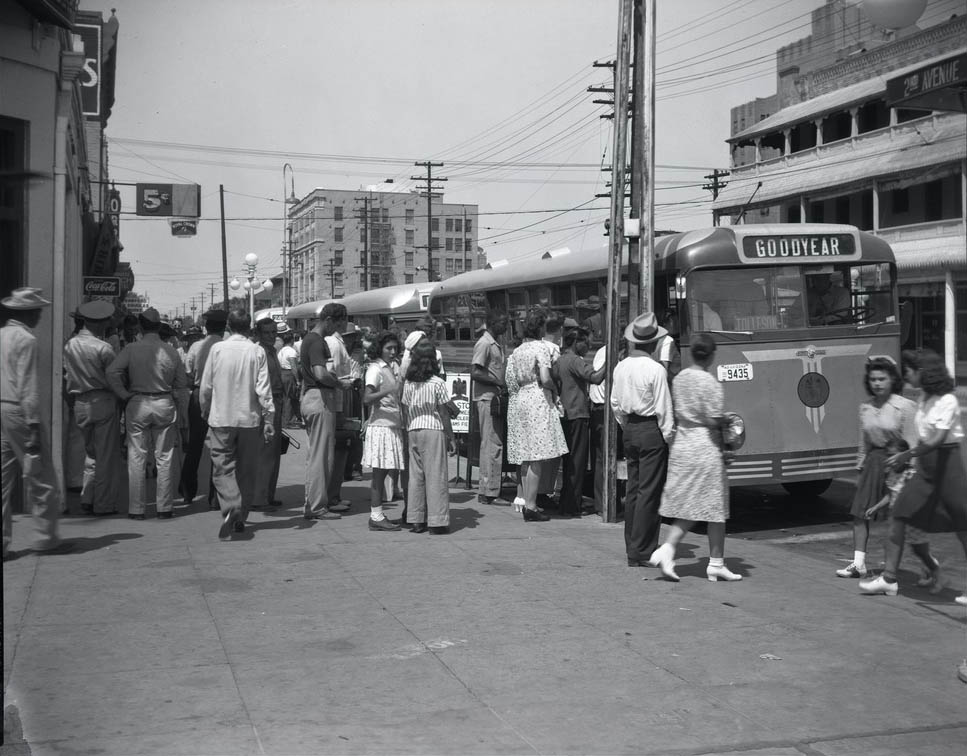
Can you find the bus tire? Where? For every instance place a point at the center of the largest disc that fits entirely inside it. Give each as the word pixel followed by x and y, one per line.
pixel 808 489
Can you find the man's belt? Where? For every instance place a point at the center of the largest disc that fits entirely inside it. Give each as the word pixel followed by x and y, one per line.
pixel 152 393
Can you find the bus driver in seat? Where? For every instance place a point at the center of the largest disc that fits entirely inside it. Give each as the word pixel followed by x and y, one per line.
pixel 828 301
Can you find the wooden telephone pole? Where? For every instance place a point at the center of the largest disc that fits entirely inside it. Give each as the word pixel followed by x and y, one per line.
pixel 429 210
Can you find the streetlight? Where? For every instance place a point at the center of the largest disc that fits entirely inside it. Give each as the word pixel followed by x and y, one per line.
pixel 287 233
pixel 251 283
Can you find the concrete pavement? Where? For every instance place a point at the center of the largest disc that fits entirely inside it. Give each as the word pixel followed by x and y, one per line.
pixel 502 637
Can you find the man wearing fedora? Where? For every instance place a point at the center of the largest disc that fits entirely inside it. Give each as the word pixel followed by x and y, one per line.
pixel 149 377
pixel 87 357
pixel 195 360
pixel 642 405
pixel 23 439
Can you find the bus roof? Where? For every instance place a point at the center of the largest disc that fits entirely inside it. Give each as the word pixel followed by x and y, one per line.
pixel 270 312
pixel 405 298
pixel 723 245
pixel 708 247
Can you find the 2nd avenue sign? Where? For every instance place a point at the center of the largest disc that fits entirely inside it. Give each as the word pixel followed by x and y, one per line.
pixel 102 286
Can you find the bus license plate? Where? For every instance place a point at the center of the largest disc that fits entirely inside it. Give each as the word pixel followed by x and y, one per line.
pixel 735 372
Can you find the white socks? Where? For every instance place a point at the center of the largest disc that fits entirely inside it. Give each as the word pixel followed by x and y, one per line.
pixel 719 562
pixel 859 559
pixel 376 514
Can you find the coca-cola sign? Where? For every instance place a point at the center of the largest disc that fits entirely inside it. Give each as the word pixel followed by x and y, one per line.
pixel 102 286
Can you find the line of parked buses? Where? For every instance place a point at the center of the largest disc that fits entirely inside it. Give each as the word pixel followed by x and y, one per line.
pixel 796 382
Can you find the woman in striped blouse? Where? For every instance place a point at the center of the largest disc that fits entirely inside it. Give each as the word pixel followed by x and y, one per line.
pixel 427 411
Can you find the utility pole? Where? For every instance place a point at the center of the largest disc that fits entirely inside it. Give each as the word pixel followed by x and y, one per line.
pixel 714 185
pixel 364 216
pixel 203 303
pixel 429 209
pixel 212 286
pixel 643 151
pixel 616 242
pixel 331 275
pixel 221 201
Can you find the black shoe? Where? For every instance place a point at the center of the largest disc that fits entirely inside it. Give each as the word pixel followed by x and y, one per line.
pixel 228 524
pixel 323 515
pixel 532 515
pixel 135 516
pixel 87 509
pixel 420 527
pixel 238 527
pixel 440 530
pixel 545 501
pixel 385 525
pixel 165 515
pixel 104 514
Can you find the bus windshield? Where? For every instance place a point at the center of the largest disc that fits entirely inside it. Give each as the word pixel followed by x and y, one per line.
pixel 758 298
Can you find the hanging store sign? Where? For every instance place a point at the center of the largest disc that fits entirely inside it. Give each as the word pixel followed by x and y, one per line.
pixel 102 287
pixel 183 228
pixel 90 76
pixel 166 200
pixel 940 86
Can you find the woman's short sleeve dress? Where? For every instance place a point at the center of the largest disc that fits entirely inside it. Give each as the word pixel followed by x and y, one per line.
pixel 533 424
pixel 696 486
pixel 383 447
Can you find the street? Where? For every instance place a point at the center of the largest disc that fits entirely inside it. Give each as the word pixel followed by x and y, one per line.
pixel 502 637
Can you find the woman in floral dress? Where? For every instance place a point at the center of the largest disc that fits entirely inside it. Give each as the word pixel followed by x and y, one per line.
pixel 696 489
pixel 534 432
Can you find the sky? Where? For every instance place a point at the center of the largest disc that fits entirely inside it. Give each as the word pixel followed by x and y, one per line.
pixel 352 92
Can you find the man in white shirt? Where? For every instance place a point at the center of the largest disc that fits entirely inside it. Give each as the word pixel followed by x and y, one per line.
pixel 642 405
pixel 289 364
pixel 236 400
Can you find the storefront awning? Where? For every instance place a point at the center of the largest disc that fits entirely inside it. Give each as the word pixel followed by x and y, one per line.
pixel 920 256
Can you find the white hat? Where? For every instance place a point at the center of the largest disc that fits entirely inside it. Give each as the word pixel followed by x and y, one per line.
pixel 644 329
pixel 25 298
pixel 412 339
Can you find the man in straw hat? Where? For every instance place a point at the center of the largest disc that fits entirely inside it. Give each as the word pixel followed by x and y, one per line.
pixel 642 406
pixel 87 357
pixel 149 376
pixel 23 440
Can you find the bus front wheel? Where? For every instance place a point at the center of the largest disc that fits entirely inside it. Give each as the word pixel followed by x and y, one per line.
pixel 808 489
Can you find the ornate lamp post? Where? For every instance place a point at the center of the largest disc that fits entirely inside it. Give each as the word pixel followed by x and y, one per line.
pixel 251 283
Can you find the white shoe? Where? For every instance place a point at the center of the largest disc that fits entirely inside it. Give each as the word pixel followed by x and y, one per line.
pixel 518 504
pixel 716 573
pixel 853 570
pixel 962 600
pixel 878 585
pixel 663 559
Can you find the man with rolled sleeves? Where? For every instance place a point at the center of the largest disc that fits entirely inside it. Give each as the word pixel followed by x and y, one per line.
pixel 487 372
pixel 236 398
pixel 87 357
pixel 24 443
pixel 342 367
pixel 149 377
pixel 195 360
pixel 270 454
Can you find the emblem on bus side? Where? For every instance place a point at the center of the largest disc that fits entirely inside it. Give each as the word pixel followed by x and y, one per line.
pixel 813 389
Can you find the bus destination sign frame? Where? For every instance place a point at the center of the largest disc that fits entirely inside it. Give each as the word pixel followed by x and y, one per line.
pixel 774 248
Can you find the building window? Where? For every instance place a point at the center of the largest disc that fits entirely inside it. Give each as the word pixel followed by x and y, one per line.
pixel 449 265
pixel 362 233
pixel 337 234
pixel 901 200
pixel 434 224
pixel 449 225
pixel 409 237
pixel 337 257
pixel 449 244
pixel 384 214
pixel 409 216
pixel 458 245
pixel 458 265
pixel 435 242
pixel 337 213
pixel 408 278
pixel 408 259
pixel 362 280
pixel 469 228
pixel 458 225
pixel 468 244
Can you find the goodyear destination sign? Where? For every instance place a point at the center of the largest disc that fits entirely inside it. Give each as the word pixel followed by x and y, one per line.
pixel 798 246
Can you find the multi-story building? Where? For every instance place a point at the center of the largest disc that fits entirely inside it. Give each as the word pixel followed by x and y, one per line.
pixel 838 148
pixel 57 71
pixel 342 242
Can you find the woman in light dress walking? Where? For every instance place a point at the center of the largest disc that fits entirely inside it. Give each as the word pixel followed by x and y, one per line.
pixel 534 433
pixel 696 488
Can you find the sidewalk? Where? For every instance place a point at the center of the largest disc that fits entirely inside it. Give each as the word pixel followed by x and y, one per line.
pixel 502 637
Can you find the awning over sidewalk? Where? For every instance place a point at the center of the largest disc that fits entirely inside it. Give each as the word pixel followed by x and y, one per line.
pixel 931 255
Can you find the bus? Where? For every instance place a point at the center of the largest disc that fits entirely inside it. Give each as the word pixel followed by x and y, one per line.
pixel 795 311
pixel 276 313
pixel 390 307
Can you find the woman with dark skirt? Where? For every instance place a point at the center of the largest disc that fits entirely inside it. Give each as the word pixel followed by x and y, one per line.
pixel 885 419
pixel 934 499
